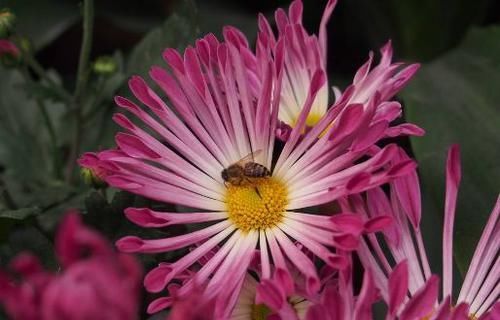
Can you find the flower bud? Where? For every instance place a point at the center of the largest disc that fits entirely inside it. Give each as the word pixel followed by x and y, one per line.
pixel 91 179
pixel 10 55
pixel 7 20
pixel 91 173
pixel 105 65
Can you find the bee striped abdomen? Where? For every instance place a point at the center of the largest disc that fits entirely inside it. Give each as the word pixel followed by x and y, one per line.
pixel 255 170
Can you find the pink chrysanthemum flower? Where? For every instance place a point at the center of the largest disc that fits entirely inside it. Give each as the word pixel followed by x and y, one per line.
pixel 279 299
pixel 221 110
pixel 269 300
pixel 481 288
pixel 337 301
pixel 307 53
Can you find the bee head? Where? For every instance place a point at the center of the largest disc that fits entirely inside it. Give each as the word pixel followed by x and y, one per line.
pixel 225 175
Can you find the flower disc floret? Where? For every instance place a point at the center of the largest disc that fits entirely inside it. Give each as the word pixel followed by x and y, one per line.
pixel 257 205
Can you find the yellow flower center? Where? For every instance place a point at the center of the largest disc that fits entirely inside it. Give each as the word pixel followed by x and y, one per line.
pixel 312 119
pixel 256 205
pixel 260 312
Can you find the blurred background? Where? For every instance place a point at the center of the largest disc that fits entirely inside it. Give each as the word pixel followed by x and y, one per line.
pixel 455 97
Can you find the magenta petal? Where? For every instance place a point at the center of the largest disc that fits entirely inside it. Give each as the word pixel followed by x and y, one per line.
pixel 284 280
pixel 405 129
pixel 88 160
pixel 493 314
pixel 316 312
pixel 402 168
pixel 453 176
pixel 378 223
pixel 423 301
pixel 460 312
pixel 408 191
pixel 159 304
pixel 453 166
pixel 129 244
pixel 337 262
pixel 145 218
pixel 373 134
pixel 122 182
pixel 312 285
pixel 348 121
pixel 270 295
pixel 398 286
pixel 135 147
pixel 444 311
pixel 347 242
pixel 359 182
pixel 283 131
pixel 347 223
pixel 25 264
pixel 124 122
pixel 74 241
pixel 158 278
pixel 295 12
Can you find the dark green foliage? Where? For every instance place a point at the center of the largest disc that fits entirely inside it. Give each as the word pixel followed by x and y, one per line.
pixel 455 98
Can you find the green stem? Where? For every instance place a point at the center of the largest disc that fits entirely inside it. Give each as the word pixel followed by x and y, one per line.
pixel 48 125
pixel 81 83
pixel 95 106
pixel 46 120
pixel 83 70
pixel 53 138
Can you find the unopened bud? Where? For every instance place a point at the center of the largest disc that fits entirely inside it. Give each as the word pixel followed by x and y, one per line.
pixel 7 20
pixel 10 55
pixel 91 172
pixel 105 65
pixel 92 179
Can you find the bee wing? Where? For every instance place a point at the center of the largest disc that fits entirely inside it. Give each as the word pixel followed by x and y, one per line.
pixel 249 157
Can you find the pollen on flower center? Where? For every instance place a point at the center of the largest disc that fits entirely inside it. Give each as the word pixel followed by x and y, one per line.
pixel 259 204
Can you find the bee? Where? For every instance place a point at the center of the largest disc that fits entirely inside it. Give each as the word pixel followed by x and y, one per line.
pixel 245 170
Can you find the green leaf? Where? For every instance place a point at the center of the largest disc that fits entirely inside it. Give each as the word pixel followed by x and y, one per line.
pixel 456 99
pixel 9 219
pixel 23 137
pixel 29 239
pixel 176 32
pixel 19 214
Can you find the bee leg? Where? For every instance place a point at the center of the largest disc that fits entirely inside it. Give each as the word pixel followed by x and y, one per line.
pixel 260 196
pixel 258 192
